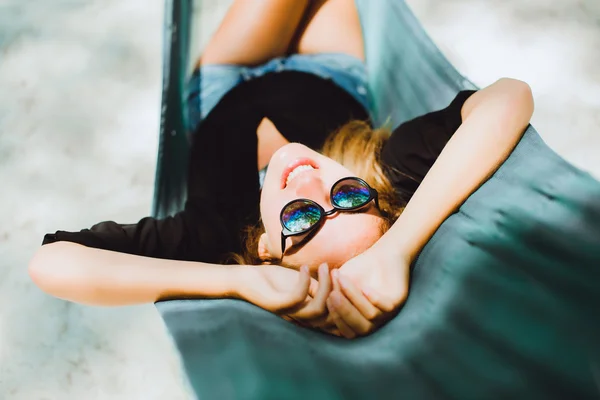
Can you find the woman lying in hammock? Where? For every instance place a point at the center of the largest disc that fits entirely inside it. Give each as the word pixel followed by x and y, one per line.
pixel 330 242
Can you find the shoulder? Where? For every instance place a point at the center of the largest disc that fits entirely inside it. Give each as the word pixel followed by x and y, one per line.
pixel 414 145
pixel 428 132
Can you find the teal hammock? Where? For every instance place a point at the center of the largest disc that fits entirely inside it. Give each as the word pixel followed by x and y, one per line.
pixel 504 300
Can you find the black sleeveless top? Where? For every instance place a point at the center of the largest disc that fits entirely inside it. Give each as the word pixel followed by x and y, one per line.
pixel 223 188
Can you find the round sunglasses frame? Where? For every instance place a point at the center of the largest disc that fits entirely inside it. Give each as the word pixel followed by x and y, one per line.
pixel 285 232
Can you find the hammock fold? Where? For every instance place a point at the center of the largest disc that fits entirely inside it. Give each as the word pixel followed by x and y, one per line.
pixel 504 298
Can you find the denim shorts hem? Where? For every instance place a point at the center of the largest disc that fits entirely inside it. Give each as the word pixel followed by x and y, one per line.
pixel 204 93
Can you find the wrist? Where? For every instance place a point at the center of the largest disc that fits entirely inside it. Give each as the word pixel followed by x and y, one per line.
pixel 389 248
pixel 239 278
pixel 200 280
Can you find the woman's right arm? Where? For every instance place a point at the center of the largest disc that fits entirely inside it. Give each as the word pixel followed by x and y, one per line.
pixel 100 277
pixel 198 233
pixel 87 275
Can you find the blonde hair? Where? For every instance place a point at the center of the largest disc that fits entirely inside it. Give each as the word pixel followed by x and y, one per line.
pixel 357 147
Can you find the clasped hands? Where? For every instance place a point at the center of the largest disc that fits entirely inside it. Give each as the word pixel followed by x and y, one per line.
pixel 353 300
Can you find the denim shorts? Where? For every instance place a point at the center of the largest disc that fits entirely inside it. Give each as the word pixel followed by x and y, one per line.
pixel 202 95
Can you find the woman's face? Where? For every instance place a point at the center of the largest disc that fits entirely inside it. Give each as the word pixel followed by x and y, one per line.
pixel 342 235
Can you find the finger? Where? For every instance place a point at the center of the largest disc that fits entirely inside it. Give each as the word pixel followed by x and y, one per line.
pixel 349 314
pixel 296 296
pixel 313 288
pixel 317 308
pixel 332 331
pixel 335 274
pixel 329 323
pixel 342 328
pixel 326 322
pixel 323 322
pixel 382 302
pixel 335 331
pixel 358 299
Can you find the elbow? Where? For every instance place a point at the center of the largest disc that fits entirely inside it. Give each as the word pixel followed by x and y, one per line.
pixel 519 88
pixel 514 85
pixel 51 269
pixel 39 269
pixel 519 95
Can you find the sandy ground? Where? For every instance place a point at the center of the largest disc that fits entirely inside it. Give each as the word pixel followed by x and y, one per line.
pixel 79 114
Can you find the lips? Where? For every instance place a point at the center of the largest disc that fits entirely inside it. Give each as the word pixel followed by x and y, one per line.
pixel 296 163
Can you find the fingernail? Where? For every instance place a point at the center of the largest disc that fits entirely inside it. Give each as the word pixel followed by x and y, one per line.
pixel 304 268
pixel 323 267
pixel 335 273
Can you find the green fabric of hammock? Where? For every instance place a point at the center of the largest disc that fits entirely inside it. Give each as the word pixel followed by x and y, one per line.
pixel 504 300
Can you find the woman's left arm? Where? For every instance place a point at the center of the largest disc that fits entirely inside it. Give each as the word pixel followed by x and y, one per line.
pixel 494 120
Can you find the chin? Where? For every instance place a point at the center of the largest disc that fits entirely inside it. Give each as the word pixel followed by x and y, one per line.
pixel 285 159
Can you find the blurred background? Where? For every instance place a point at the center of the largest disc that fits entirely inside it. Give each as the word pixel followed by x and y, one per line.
pixel 79 115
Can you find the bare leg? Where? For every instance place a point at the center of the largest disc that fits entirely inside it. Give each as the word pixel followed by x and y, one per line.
pixel 330 26
pixel 254 31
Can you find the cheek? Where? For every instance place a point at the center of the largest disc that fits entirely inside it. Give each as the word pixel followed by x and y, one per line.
pixel 269 211
pixel 340 239
pixel 356 234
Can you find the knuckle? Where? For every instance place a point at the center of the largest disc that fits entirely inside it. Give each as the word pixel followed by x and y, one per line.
pixel 349 335
pixel 316 310
pixel 372 314
pixel 403 295
pixel 366 329
pixel 388 308
pixel 333 331
pixel 312 311
pixel 363 329
pixel 321 324
pixel 321 309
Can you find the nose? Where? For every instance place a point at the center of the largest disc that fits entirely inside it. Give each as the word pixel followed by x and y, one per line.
pixel 311 186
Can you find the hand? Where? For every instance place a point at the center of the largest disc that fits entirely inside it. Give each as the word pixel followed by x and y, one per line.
pixel 286 292
pixel 274 288
pixel 368 291
pixel 313 312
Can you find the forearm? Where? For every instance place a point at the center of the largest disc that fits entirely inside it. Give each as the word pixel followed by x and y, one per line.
pixel 100 277
pixel 494 120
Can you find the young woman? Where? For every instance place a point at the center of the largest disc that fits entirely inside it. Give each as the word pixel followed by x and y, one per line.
pixel 330 242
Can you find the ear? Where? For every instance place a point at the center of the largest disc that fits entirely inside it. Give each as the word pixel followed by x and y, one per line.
pixel 263 248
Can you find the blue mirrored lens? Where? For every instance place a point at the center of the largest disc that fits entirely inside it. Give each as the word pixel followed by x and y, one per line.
pixel 300 215
pixel 350 193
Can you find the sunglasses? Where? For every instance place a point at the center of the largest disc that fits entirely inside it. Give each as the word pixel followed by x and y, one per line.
pixel 302 215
